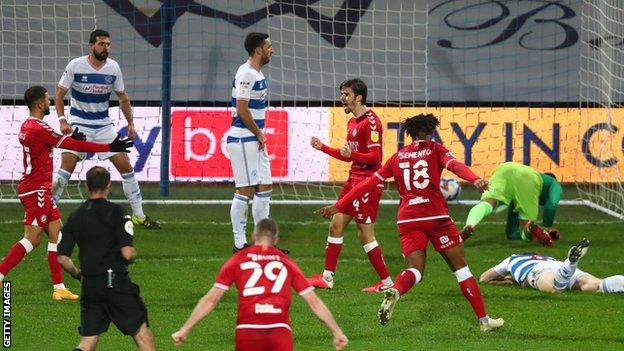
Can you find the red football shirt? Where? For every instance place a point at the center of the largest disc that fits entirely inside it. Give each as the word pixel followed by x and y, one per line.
pixel 37 139
pixel 263 276
pixel 416 169
pixel 363 134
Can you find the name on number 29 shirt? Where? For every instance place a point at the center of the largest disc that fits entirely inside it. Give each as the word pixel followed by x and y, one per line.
pixel 263 276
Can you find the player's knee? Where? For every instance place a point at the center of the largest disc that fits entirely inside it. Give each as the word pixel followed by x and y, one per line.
pixel 245 191
pixel 336 229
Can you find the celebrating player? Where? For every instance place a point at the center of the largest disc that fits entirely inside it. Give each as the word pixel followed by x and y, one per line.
pixel 364 150
pixel 34 190
pixel 523 190
pixel 91 79
pixel 549 275
pixel 423 215
pixel 263 276
pixel 246 141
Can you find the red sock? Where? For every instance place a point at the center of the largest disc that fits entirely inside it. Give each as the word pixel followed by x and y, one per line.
pixel 56 272
pixel 470 289
pixel 376 259
pixel 406 280
pixel 332 251
pixel 12 258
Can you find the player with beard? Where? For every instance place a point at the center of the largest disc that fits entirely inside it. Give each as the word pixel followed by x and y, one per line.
pixel 364 150
pixel 92 79
pixel 34 189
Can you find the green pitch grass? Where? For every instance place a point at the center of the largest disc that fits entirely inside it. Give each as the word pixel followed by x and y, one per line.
pixel 177 265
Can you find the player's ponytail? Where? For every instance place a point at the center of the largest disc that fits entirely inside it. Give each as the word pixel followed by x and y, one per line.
pixel 420 124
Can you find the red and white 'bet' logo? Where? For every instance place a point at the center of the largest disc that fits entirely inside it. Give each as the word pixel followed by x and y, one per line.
pixel 198 143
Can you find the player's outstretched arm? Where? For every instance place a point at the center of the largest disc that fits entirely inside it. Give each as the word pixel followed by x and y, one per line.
pixel 492 277
pixel 362 188
pixel 322 312
pixel 465 173
pixel 205 305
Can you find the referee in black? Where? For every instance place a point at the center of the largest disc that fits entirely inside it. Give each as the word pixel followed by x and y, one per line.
pixel 104 235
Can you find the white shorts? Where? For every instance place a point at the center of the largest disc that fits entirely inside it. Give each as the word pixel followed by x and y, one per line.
pixel 552 266
pixel 103 135
pixel 249 165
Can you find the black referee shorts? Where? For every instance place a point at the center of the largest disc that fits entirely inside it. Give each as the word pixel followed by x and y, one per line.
pixel 100 305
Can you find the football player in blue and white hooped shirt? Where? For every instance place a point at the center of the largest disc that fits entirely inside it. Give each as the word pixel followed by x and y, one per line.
pixel 90 80
pixel 246 141
pixel 550 275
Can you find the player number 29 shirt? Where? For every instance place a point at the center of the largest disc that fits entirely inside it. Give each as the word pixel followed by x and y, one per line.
pixel 263 276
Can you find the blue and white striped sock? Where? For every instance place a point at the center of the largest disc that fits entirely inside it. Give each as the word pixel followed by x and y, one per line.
pixel 564 274
pixel 61 178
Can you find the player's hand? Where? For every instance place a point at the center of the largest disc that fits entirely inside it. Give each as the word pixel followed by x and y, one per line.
pixel 316 143
pixel 261 141
pixel 327 211
pixel 131 131
pixel 340 341
pixel 78 135
pixel 345 151
pixel 120 145
pixel 481 184
pixel 179 337
pixel 66 129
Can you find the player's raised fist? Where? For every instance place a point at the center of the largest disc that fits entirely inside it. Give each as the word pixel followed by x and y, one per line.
pixel 345 151
pixel 316 143
pixel 120 145
pixel 327 211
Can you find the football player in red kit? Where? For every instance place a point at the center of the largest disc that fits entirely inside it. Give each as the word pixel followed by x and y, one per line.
pixel 34 189
pixel 364 150
pixel 423 215
pixel 263 276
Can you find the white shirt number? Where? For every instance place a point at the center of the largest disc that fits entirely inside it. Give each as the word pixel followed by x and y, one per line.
pixel 269 272
pixel 420 169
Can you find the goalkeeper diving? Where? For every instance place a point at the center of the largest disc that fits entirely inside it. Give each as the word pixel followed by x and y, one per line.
pixel 521 190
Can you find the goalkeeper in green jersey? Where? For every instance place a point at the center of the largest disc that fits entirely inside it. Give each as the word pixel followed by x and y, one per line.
pixel 522 190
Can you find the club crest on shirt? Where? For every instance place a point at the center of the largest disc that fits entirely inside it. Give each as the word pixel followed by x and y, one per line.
pixel 108 79
pixel 354 132
pixel 374 136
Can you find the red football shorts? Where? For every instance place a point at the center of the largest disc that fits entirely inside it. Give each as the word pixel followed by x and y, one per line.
pixel 364 209
pixel 272 339
pixel 442 233
pixel 39 209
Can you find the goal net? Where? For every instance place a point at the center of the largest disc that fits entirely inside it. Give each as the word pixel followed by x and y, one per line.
pixel 601 99
pixel 503 77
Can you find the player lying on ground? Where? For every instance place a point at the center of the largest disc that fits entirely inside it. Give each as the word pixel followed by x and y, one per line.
pixel 523 190
pixel 264 276
pixel 423 215
pixel 549 275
